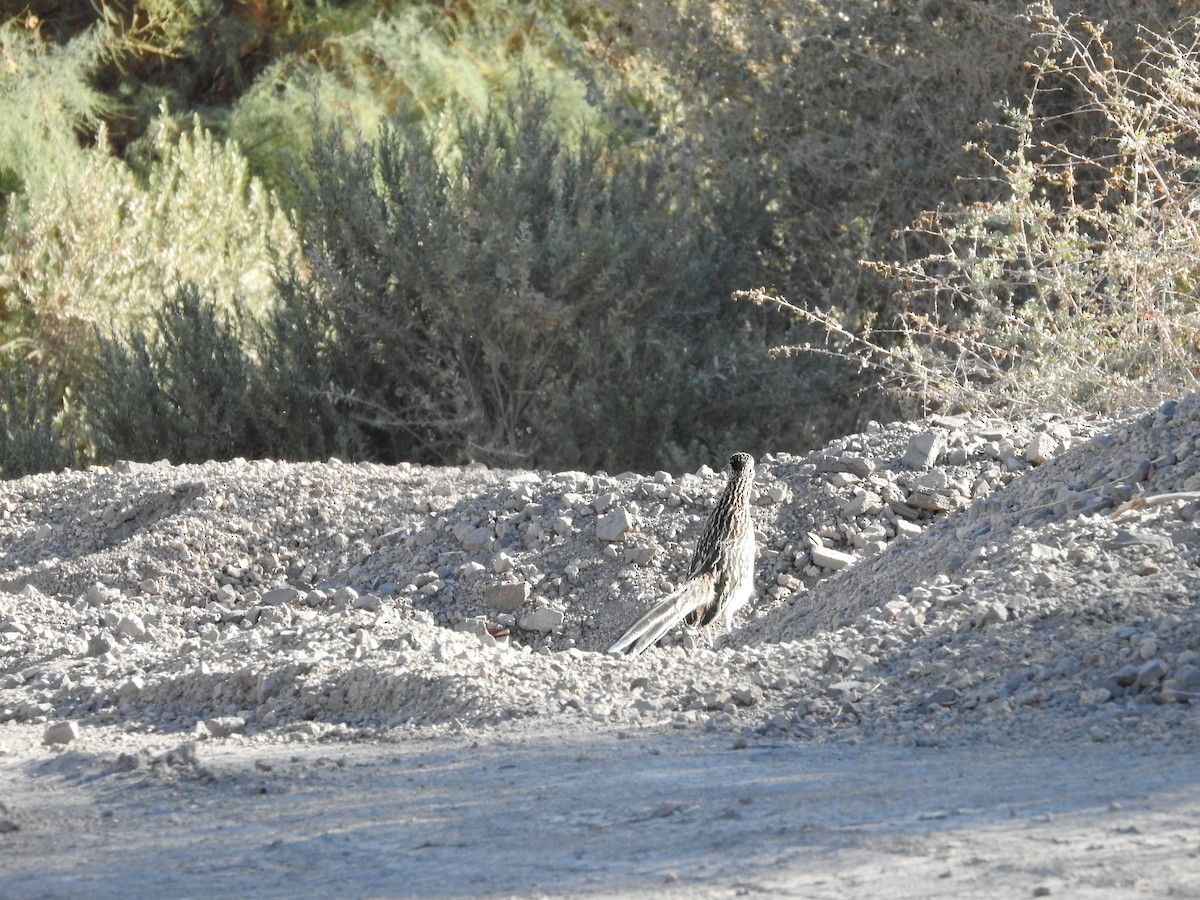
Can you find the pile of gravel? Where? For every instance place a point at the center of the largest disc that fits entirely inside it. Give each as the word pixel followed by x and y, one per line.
pixel 955 578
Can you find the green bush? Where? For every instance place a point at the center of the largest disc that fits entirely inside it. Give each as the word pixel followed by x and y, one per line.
pixel 98 245
pixel 425 63
pixel 37 427
pixel 534 303
pixel 851 119
pixel 47 97
pixel 189 392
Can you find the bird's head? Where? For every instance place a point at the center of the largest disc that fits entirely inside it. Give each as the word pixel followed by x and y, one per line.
pixel 741 461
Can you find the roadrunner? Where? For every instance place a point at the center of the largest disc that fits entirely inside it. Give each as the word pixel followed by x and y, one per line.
pixel 720 579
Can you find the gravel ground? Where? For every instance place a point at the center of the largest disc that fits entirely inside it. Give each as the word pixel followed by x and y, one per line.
pixel 972 638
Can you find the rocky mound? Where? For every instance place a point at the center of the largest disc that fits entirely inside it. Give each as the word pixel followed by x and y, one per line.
pixel 957 577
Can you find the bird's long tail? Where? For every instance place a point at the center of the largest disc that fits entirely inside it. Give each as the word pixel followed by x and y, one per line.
pixel 664 616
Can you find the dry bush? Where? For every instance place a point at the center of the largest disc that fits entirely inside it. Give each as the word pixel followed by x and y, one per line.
pixel 851 118
pixel 1077 287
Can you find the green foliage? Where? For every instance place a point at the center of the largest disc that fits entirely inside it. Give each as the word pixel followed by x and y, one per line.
pixel 539 303
pixel 46 99
pixel 189 393
pixel 423 63
pixel 851 119
pixel 100 242
pixel 36 433
pixel 521 222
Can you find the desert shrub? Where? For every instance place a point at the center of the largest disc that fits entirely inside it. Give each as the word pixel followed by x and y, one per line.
pixel 46 99
pixel 535 302
pixel 427 62
pixel 850 117
pixel 188 391
pixel 98 245
pixel 855 118
pixel 1076 288
pixel 38 429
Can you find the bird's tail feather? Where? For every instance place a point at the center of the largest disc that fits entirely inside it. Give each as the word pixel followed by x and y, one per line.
pixel 664 616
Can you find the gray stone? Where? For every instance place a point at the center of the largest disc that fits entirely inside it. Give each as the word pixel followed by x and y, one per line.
pixel 614 525
pixel 851 463
pixel 924 449
pixel 831 559
pixel 846 691
pixel 473 537
pixel 506 597
pixel 223 726
pixel 274 616
pixel 1184 685
pixel 946 696
pixel 990 614
pixel 368 602
pixel 280 596
pixel 226 593
pixel 101 595
pixel 1151 672
pixel 1043 446
pixel 541 619
pixel 61 733
pixel 864 503
pixel 131 627
pixel 99 644
pixel 132 686
pixel 1125 676
pixel 933 501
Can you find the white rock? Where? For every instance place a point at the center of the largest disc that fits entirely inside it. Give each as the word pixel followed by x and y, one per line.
pixel 101 595
pixel 131 627
pixel 223 726
pixel 1151 672
pixel 992 613
pixel 541 619
pixel 280 596
pixel 506 597
pixel 614 526
pixel 924 449
pixel 227 594
pixel 603 502
pixel 61 733
pixel 471 570
pixel 863 503
pixel 1041 448
pixel 829 558
pixel 778 492
pixel 477 538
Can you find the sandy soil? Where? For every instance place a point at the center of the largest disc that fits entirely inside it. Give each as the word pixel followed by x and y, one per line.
pixel 599 815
